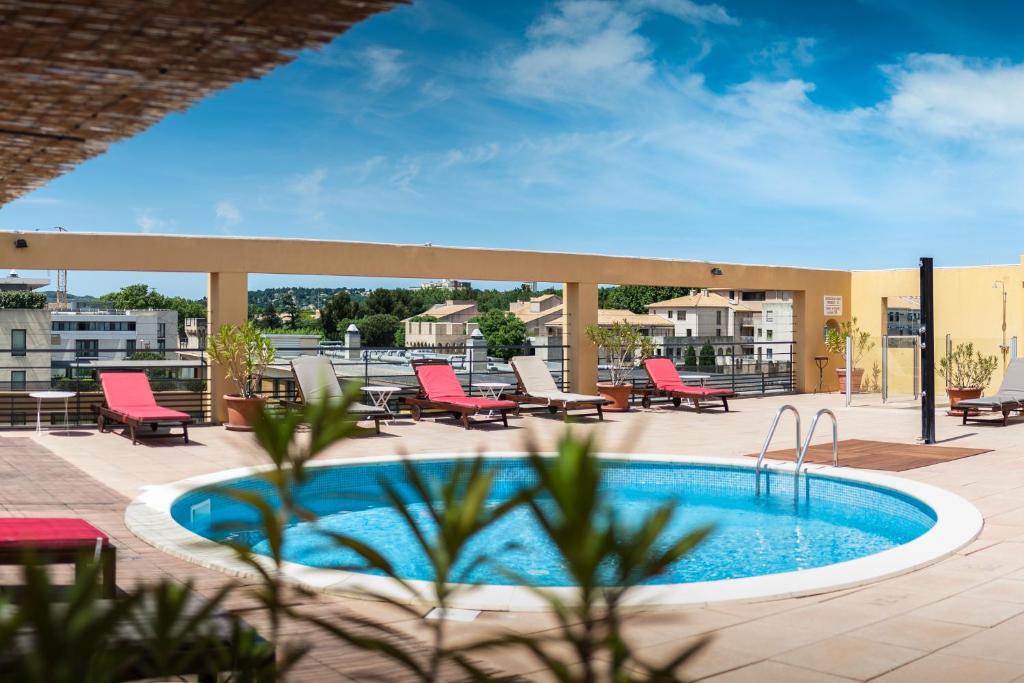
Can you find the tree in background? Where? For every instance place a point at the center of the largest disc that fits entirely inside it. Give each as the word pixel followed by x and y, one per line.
pixel 707 357
pixel 290 307
pixel 339 309
pixel 504 332
pixel 400 303
pixel 140 296
pixel 690 357
pixel 637 298
pixel 268 318
pixel 378 330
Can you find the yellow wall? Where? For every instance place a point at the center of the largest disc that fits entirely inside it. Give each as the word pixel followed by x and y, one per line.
pixel 966 306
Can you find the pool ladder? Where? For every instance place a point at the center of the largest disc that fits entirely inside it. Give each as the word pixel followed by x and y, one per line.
pixel 801 449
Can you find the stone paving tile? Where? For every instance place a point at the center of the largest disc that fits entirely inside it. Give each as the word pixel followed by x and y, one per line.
pixel 916 632
pixel 971 611
pixel 774 672
pixel 851 657
pixel 943 668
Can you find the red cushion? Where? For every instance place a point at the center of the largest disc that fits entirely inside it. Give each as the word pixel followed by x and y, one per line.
pixel 126 389
pixel 48 532
pixel 474 402
pixel 696 391
pixel 662 372
pixel 439 381
pixel 153 413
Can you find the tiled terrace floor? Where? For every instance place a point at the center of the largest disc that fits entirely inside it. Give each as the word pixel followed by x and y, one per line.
pixel 960 619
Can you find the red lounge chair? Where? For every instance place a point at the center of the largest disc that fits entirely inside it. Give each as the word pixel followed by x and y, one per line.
pixel 58 540
pixel 440 389
pixel 666 383
pixel 129 401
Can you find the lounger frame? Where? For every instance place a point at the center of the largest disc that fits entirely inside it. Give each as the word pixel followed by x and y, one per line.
pixel 76 555
pixel 419 403
pixel 105 413
pixel 676 396
pixel 555 405
pixel 982 409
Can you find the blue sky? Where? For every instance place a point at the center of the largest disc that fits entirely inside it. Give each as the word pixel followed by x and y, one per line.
pixel 828 134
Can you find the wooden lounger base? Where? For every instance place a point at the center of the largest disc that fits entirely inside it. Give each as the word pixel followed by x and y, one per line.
pixel 77 556
pixel 354 417
pixel 421 407
pixel 132 425
pixel 646 396
pixel 972 413
pixel 563 407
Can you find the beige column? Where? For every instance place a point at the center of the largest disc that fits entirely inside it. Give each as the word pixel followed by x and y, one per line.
pixel 227 304
pixel 580 305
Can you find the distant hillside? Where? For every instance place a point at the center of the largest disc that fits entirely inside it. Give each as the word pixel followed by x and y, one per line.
pixel 304 296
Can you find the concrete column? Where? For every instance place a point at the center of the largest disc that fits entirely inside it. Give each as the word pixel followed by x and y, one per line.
pixel 579 302
pixel 227 304
pixel 476 352
pixel 353 342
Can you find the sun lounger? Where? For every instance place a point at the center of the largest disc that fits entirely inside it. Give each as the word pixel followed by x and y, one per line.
pixel 537 386
pixel 58 540
pixel 128 400
pixel 665 382
pixel 1009 398
pixel 441 391
pixel 316 381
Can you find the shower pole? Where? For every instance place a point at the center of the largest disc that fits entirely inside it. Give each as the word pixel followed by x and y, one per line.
pixel 927 332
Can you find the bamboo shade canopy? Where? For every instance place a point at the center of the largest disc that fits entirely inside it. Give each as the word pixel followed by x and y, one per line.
pixel 78 75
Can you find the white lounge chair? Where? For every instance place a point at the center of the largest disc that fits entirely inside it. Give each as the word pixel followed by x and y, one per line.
pixel 316 381
pixel 1009 398
pixel 537 386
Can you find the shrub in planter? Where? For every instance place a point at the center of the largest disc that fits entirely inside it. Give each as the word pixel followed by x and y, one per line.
pixel 623 346
pixel 242 352
pixel 967 372
pixel 835 343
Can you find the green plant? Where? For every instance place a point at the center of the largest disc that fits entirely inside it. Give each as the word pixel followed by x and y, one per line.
pixel 623 346
pixel 964 368
pixel 690 357
pixel 835 340
pixel 378 330
pixel 145 355
pixel 243 352
pixel 707 357
pixel 504 332
pixel 17 299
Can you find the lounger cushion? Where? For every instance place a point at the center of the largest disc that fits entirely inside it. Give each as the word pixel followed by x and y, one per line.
pixel 996 402
pixel 318 382
pixel 1011 392
pixel 474 402
pixel 152 413
pixel 439 382
pixel 126 389
pixel 537 382
pixel 665 377
pixel 48 533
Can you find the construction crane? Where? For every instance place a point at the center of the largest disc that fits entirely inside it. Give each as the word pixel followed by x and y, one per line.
pixel 61 303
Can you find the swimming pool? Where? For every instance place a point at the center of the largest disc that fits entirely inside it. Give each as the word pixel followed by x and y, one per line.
pixel 846 528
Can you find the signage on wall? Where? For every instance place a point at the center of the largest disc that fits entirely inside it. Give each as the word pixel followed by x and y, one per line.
pixel 833 305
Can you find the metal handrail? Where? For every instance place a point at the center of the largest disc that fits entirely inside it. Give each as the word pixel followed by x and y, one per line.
pixel 768 441
pixel 807 445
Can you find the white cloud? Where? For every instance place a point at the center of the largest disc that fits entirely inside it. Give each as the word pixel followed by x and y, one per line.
pixel 783 57
pixel 593 48
pixel 147 220
pixel 309 184
pixel 477 154
pixel 384 67
pixel 227 214
pixel 950 95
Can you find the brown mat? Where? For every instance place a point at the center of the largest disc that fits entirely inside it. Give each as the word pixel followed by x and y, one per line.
pixel 879 455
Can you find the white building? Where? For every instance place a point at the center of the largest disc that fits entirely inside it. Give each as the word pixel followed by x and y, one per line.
pixel 112 335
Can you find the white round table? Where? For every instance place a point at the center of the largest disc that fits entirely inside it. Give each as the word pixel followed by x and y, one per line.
pixel 41 396
pixel 492 390
pixel 379 397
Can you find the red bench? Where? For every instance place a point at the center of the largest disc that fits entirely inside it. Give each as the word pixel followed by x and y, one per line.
pixel 58 540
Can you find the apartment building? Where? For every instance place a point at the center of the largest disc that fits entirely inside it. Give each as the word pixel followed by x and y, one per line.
pixel 112 335
pixel 705 314
pixel 904 316
pixel 537 313
pixel 447 328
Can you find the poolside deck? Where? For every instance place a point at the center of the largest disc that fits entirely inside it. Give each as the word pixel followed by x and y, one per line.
pixel 961 618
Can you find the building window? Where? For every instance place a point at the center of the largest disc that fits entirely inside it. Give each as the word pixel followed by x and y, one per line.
pixel 17 380
pixel 18 342
pixel 768 315
pixel 87 348
pixel 769 335
pixel 670 315
pixel 689 332
pixel 768 353
pixel 718 317
pixel 161 330
pixel 129 346
pixel 718 331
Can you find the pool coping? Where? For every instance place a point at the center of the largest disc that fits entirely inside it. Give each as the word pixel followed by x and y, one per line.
pixel 958 523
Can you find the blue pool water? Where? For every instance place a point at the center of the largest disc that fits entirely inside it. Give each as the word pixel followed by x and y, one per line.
pixel 835 520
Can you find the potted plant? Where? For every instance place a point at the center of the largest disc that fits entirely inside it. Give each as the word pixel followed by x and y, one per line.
pixel 243 352
pixel 966 372
pixel 835 342
pixel 622 346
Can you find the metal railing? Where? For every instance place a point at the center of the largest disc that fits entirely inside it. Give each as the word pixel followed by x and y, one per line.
pixel 768 440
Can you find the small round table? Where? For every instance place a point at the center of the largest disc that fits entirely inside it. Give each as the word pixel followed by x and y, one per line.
pixel 379 397
pixel 492 390
pixel 41 396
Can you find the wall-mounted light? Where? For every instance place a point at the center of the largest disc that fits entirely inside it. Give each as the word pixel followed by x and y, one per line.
pixel 716 271
pixel 20 243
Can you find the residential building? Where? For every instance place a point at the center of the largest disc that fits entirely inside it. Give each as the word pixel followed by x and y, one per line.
pixel 195 333
pixel 446 283
pixel 112 334
pixel 25 334
pixel 704 314
pixel 904 316
pixel 448 326
pixel 538 313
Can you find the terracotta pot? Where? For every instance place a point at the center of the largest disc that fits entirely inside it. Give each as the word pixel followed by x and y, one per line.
pixel 858 377
pixel 618 394
pixel 957 394
pixel 242 412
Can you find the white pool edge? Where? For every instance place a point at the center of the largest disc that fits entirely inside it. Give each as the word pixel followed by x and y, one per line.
pixel 958 523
